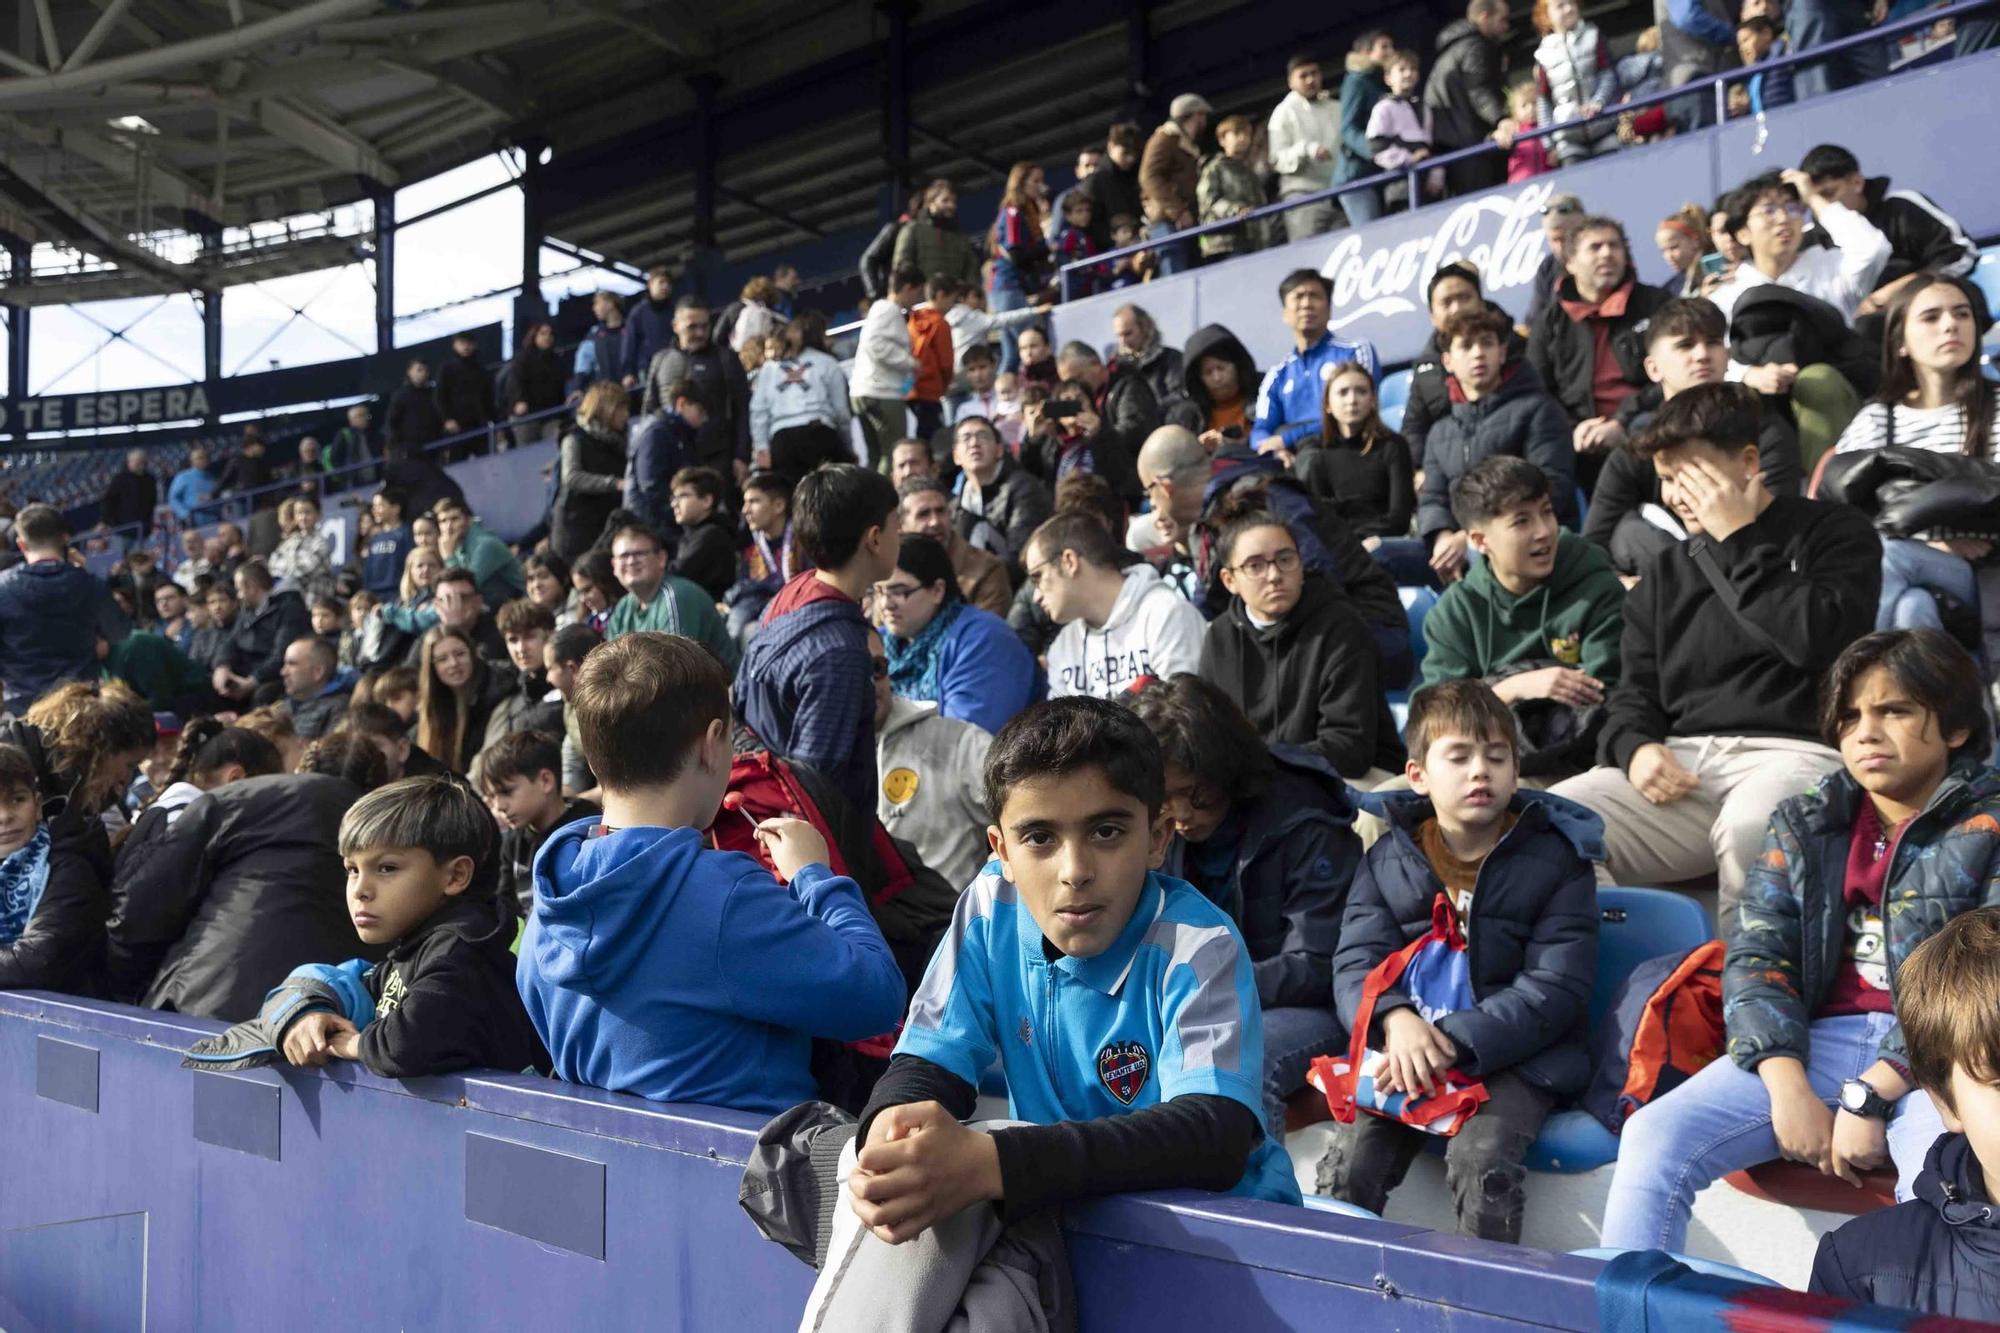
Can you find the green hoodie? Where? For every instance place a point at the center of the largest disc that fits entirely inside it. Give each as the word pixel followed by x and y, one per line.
pixel 1478 628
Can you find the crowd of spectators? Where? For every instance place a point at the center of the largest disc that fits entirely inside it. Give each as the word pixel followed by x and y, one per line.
pixel 1096 648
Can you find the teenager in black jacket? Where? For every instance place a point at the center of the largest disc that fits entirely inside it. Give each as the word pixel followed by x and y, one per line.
pixel 245 886
pixel 1453 288
pixel 422 860
pixel 1295 655
pixel 1715 716
pixel 414 420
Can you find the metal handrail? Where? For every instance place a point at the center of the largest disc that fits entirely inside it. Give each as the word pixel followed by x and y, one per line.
pixel 1719 82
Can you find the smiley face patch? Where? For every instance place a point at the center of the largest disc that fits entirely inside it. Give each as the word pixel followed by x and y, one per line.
pixel 899 785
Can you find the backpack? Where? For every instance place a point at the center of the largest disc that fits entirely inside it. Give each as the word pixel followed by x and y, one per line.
pixel 762 786
pixel 1663 1027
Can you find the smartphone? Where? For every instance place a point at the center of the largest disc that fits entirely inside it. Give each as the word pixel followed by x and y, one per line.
pixel 1713 264
pixel 1061 409
pixel 1232 432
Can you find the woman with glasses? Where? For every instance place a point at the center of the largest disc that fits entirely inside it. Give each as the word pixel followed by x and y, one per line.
pixel 943 650
pixel 1267 834
pixel 1296 656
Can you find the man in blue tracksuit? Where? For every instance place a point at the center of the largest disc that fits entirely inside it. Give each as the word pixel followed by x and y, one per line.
pixel 1290 402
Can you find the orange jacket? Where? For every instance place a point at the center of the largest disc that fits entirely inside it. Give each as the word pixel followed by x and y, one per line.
pixel 930 343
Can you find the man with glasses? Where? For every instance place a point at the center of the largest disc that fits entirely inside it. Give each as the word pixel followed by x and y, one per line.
pixel 715 375
pixel 1119 625
pixel 658 601
pixel 1768 216
pixel 999 506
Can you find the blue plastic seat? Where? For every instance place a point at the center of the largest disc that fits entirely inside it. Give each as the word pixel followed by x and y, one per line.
pixel 1633 926
pixel 1985 276
pixel 1706 1267
pixel 1392 398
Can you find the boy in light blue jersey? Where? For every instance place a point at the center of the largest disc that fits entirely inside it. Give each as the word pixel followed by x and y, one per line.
pixel 1119 1002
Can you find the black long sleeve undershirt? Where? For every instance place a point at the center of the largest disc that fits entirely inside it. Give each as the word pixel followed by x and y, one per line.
pixel 1193 1142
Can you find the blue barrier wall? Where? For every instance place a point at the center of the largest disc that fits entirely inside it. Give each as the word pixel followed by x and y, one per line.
pixel 1930 129
pixel 134 1193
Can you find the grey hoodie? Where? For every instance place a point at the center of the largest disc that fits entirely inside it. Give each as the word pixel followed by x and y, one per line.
pixel 1152 631
pixel 933 796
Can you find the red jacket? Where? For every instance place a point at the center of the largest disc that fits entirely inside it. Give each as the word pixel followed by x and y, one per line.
pixel 930 343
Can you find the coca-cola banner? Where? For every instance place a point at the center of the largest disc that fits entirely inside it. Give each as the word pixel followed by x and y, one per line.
pixel 1379 272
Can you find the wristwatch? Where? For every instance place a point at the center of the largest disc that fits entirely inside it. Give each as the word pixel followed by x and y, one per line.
pixel 1858 1097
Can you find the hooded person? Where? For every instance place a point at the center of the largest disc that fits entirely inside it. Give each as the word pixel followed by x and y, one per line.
pixel 1218 391
pixel 1295 655
pixel 1120 625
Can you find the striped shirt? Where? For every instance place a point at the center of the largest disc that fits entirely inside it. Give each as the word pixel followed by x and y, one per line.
pixel 1939 429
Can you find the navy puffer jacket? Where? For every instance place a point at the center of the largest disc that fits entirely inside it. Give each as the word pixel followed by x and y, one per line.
pixel 1937 1254
pixel 1792 923
pixel 1531 936
pixel 1294 860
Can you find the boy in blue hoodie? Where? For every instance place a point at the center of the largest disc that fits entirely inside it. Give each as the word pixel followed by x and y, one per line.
pixel 655 965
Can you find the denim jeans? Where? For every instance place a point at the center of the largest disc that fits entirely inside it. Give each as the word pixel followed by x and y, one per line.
pixel 1292 1037
pixel 1007 295
pixel 1408 561
pixel 1911 573
pixel 1174 258
pixel 1362 205
pixel 1719 1121
pixel 1482 1162
pixel 1817 22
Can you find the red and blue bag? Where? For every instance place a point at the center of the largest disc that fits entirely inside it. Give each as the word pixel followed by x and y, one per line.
pixel 1431 970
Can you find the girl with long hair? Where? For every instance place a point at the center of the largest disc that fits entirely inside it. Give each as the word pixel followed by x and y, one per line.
pixel 1361 468
pixel 1020 253
pixel 1933 397
pixel 456 694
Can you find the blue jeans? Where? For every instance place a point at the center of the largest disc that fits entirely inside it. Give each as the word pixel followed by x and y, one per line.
pixel 1007 295
pixel 1292 1037
pixel 1408 561
pixel 1817 22
pixel 1719 1121
pixel 1175 258
pixel 1363 205
pixel 1911 573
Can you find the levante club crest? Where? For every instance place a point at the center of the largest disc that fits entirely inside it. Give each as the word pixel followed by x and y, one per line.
pixel 1123 1065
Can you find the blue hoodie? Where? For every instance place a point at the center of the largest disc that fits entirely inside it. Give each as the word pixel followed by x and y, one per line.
pixel 655 965
pixel 49 613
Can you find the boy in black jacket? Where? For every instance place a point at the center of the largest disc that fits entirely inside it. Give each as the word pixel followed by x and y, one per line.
pixel 1516 871
pixel 1714 719
pixel 1939 1253
pixel 420 866
pixel 521 778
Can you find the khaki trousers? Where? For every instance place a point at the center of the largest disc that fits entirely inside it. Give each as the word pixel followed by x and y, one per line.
pixel 1717 827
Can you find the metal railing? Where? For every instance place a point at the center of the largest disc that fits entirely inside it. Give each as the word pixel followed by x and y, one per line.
pixel 1715 85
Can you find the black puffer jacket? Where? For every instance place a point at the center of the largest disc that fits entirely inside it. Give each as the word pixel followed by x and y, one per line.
pixel 1563 350
pixel 1192 404
pixel 593 462
pixel 1517 418
pixel 1464 90
pixel 1314 679
pixel 1773 325
pixel 1011 508
pixel 1163 370
pixel 62 946
pixel 445 997
pixel 245 886
pixel 1937 1254
pixel 257 643
pixel 1531 937
pixel 1430 387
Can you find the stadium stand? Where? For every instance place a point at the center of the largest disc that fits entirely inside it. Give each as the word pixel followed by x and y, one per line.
pixel 1281 398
